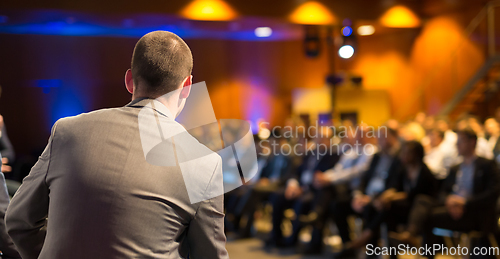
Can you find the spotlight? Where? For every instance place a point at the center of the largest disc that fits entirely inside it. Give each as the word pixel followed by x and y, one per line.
pixel 347 31
pixel 400 17
pixel 209 10
pixel 312 12
pixel 346 51
pixel 263 32
pixel 366 30
pixel 349 40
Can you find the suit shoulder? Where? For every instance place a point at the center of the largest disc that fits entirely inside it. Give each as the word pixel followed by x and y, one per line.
pixel 66 125
pixel 84 117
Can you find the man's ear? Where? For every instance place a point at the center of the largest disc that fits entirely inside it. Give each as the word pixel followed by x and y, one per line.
pixel 129 81
pixel 186 87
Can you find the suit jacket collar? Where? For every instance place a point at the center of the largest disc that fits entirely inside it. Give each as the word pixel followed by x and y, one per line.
pixel 153 103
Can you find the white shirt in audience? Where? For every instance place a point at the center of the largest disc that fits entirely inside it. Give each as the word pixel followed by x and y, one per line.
pixel 439 159
pixel 450 138
pixel 352 164
pixel 483 148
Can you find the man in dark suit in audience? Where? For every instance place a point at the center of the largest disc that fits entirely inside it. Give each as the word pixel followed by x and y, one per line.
pixel 382 174
pixel 272 177
pixel 467 200
pixel 300 192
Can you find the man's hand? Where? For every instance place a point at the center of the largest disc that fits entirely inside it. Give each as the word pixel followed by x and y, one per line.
pixel 454 200
pixel 359 202
pixel 5 168
pixel 321 180
pixel 1 123
pixel 263 182
pixel 456 212
pixel 384 200
pixel 455 205
pixel 292 192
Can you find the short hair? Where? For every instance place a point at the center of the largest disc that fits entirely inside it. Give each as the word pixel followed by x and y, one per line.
pixel 468 133
pixel 162 60
pixel 416 149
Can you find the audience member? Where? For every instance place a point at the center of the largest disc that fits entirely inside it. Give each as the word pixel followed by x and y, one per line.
pixel 272 178
pixel 380 176
pixel 483 149
pixel 492 129
pixel 300 193
pixel 467 200
pixel 345 176
pixel 450 137
pixel 440 156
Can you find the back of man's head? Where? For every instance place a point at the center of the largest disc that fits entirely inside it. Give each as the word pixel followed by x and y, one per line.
pixel 160 62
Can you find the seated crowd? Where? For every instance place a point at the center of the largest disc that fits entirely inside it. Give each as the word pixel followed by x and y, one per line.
pixel 409 178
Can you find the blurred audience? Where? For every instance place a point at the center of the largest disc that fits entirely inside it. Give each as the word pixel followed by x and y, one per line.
pixel 274 167
pixel 357 153
pixel 467 200
pixel 410 176
pixel 375 184
pixel 300 192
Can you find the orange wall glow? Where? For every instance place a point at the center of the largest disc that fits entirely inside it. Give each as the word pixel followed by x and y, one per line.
pixel 209 10
pixel 312 12
pixel 420 71
pixel 400 17
pixel 444 59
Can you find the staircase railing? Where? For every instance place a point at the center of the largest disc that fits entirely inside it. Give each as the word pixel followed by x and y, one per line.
pixel 488 13
pixel 460 95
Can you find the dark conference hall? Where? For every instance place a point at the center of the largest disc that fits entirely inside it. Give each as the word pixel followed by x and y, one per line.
pixel 294 129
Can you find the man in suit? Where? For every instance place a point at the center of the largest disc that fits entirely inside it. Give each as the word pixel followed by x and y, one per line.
pixel 467 200
pixel 380 177
pixel 344 177
pixel 93 194
pixel 299 192
pixel 272 177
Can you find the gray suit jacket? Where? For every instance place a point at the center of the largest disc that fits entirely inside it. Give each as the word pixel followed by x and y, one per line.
pixel 92 194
